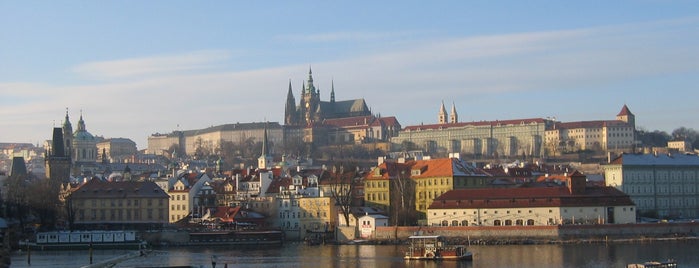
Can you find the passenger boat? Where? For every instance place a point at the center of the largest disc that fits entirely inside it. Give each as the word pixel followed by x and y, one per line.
pixel 654 264
pixel 434 247
pixel 85 239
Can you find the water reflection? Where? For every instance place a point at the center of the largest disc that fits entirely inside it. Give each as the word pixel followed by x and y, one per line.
pixel 384 256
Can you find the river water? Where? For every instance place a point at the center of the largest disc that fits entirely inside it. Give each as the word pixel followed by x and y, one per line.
pixel 384 256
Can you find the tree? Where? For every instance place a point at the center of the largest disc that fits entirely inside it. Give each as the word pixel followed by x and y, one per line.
pixel 688 134
pixel 342 187
pixel 402 195
pixel 655 138
pixel 407 145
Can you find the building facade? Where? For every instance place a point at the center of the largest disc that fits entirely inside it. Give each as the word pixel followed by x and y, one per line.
pixel 116 149
pixel 480 139
pixel 209 139
pixel 661 185
pixel 602 135
pixel 119 204
pixel 571 204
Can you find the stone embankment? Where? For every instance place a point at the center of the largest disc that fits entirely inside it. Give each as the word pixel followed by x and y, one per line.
pixel 559 234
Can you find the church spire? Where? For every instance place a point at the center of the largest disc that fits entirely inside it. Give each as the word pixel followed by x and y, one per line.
pixel 265 158
pixel 442 114
pixel 67 134
pixel 81 122
pixel 66 122
pixel 453 116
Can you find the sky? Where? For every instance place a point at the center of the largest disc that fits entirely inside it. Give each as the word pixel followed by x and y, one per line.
pixel 135 68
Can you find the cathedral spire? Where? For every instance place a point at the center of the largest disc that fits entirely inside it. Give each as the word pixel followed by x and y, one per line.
pixel 290 109
pixel 332 91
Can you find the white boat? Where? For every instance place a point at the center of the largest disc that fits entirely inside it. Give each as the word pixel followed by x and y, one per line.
pixel 434 247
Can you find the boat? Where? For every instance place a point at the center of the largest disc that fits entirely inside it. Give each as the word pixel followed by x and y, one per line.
pixel 654 264
pixel 434 247
pixel 85 239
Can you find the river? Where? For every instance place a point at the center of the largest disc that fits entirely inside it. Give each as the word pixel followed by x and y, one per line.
pixel 383 256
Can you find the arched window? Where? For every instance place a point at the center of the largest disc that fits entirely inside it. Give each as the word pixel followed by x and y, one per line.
pixel 508 222
pixel 464 223
pixel 497 223
pixel 519 222
pixel 454 223
pixel 530 222
pixel 445 223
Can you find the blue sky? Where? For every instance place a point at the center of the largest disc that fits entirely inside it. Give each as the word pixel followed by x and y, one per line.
pixel 135 68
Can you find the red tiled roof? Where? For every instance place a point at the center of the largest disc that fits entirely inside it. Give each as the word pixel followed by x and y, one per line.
pixel 624 111
pixel 441 167
pixel 529 197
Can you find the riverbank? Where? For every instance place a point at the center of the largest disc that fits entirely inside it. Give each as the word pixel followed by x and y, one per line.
pixel 556 234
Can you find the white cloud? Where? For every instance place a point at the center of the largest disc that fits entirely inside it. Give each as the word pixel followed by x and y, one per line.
pixel 157 65
pixel 155 94
pixel 344 36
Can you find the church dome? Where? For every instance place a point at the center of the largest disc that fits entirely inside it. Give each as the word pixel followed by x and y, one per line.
pixel 83 136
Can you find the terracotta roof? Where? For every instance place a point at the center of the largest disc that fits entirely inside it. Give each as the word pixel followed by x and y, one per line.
pixel 624 111
pixel 441 167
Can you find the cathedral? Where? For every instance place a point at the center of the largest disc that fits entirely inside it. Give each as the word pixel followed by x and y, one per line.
pixel 333 122
pixel 311 110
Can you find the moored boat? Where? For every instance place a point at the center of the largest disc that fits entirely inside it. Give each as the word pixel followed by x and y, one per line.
pixel 654 264
pixel 434 247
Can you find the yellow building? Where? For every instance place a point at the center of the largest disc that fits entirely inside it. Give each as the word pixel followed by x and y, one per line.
pixel 602 135
pixel 117 204
pixel 179 201
pixel 377 185
pixel 416 182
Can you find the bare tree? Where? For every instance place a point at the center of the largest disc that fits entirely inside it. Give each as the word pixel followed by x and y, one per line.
pixel 342 187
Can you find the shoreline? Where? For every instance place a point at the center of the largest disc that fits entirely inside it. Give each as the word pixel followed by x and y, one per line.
pixel 534 241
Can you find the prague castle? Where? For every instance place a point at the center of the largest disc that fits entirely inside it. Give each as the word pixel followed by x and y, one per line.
pixel 333 122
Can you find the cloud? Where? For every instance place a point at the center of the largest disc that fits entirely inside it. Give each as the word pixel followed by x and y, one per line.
pixel 344 36
pixel 157 65
pixel 141 96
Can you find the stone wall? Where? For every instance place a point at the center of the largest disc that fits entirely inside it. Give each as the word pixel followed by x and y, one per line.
pixel 554 232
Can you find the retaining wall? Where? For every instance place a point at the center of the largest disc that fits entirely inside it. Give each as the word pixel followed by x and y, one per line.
pixel 554 232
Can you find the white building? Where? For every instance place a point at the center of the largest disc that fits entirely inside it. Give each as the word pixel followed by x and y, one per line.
pixel 663 185
pixel 368 223
pixel 573 204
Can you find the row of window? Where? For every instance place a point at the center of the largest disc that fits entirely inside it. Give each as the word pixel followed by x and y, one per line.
pixel 294 215
pixel 519 222
pixel 119 202
pixel 118 214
